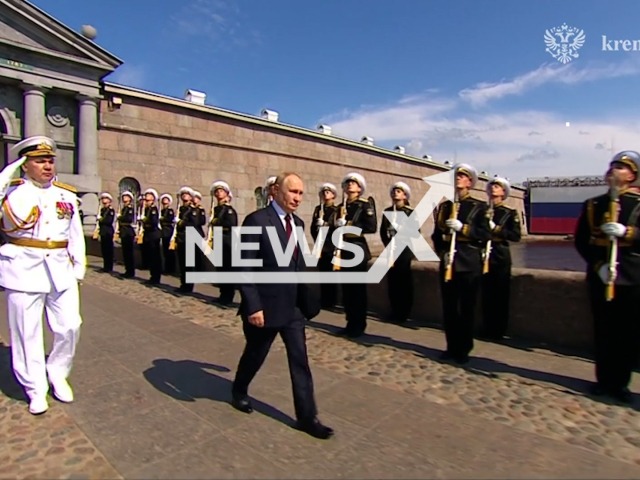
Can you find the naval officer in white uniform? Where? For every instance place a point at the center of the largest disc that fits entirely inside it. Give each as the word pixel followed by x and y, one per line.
pixel 40 268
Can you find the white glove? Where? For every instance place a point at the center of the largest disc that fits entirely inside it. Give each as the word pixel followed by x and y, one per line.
pixel 492 225
pixel 320 222
pixel 142 219
pixel 454 224
pixel 613 229
pixel 342 222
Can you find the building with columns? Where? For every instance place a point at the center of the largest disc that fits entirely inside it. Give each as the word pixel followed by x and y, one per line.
pixel 113 137
pixel 51 84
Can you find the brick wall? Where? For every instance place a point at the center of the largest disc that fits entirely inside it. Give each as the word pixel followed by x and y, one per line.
pixel 167 146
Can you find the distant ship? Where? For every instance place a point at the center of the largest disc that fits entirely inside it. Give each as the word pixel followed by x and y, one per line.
pixel 553 204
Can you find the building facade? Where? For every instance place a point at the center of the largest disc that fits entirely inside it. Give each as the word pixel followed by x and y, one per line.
pixel 113 137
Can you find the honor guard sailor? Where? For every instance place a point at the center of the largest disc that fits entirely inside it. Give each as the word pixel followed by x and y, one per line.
pixel 460 232
pixel 608 238
pixel 106 231
pixel 188 216
pixel 40 268
pixel 126 233
pixel 167 225
pixel 269 189
pixel 225 217
pixel 358 212
pixel 505 226
pixel 151 235
pixel 400 280
pixel 321 217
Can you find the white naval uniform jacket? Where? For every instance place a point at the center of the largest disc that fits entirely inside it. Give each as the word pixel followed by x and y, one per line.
pixel 50 255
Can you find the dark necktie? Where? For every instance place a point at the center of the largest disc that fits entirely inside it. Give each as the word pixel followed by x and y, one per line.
pixel 289 229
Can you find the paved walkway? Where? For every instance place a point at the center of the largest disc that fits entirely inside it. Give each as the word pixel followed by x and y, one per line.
pixel 152 382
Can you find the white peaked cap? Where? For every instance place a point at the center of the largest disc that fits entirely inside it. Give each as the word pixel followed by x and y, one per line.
pixel 106 195
pixel 166 195
pixel 356 177
pixel 271 181
pixel 152 192
pixel 402 186
pixel 328 186
pixel 188 190
pixel 197 194
pixel 36 146
pixel 500 181
pixel 469 170
pixel 127 193
pixel 224 186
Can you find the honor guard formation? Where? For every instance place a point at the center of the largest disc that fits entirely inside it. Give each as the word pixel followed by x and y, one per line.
pixel 43 261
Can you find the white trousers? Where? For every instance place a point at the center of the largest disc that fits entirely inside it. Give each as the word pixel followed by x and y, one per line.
pixel 25 313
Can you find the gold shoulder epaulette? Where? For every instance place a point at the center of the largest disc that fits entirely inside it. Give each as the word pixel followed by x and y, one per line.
pixel 363 199
pixel 65 186
pixel 633 192
pixel 16 181
pixel 407 207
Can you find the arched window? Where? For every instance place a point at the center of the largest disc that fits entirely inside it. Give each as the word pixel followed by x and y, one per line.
pixel 129 184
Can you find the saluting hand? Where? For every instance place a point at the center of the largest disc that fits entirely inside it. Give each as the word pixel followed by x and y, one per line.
pixel 257 319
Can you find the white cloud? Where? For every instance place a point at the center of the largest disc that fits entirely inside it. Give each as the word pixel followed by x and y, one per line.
pixel 129 75
pixel 516 144
pixel 568 74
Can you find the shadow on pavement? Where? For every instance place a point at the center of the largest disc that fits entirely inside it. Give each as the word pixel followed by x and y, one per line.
pixel 188 380
pixel 8 383
pixel 483 366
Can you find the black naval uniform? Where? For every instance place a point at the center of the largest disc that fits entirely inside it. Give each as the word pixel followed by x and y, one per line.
pixel 328 291
pixel 166 223
pixel 616 328
pixel 105 223
pixel 151 251
pixel 460 294
pixel 127 237
pixel 188 216
pixel 496 283
pixel 360 213
pixel 225 216
pixel 200 224
pixel 400 280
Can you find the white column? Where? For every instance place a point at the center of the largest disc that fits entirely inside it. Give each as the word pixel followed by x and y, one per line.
pixel 34 110
pixel 88 136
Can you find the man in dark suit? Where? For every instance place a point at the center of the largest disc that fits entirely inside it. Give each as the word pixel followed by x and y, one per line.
pixel 271 309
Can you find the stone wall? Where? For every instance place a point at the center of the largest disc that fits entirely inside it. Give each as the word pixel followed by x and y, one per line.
pixel 167 143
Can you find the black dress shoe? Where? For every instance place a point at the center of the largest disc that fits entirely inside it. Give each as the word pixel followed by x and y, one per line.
pixel 462 359
pixel 597 389
pixel 446 355
pixel 242 403
pixel 315 429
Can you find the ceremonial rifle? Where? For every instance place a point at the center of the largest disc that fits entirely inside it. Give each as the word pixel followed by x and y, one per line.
pixel 448 274
pixel 139 220
pixel 487 252
pixel 343 215
pixel 321 215
pixel 614 211
pixel 176 216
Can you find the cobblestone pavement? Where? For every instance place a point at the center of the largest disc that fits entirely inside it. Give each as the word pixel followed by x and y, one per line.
pixel 546 403
pixel 152 380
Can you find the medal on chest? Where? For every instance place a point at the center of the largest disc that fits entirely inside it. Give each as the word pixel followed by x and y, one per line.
pixel 64 210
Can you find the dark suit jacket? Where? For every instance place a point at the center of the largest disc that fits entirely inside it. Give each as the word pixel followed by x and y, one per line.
pixel 281 303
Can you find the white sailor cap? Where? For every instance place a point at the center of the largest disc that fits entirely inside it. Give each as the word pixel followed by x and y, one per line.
pixel 468 170
pixel 127 193
pixel 220 184
pixel 152 192
pixel 32 147
pixel 328 186
pixel 197 194
pixel 629 158
pixel 166 195
pixel 356 177
pixel 402 186
pixel 79 201
pixel 271 181
pixel 502 182
pixel 187 190
pixel 106 195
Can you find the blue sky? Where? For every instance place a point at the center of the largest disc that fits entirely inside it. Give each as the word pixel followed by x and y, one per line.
pixel 461 79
